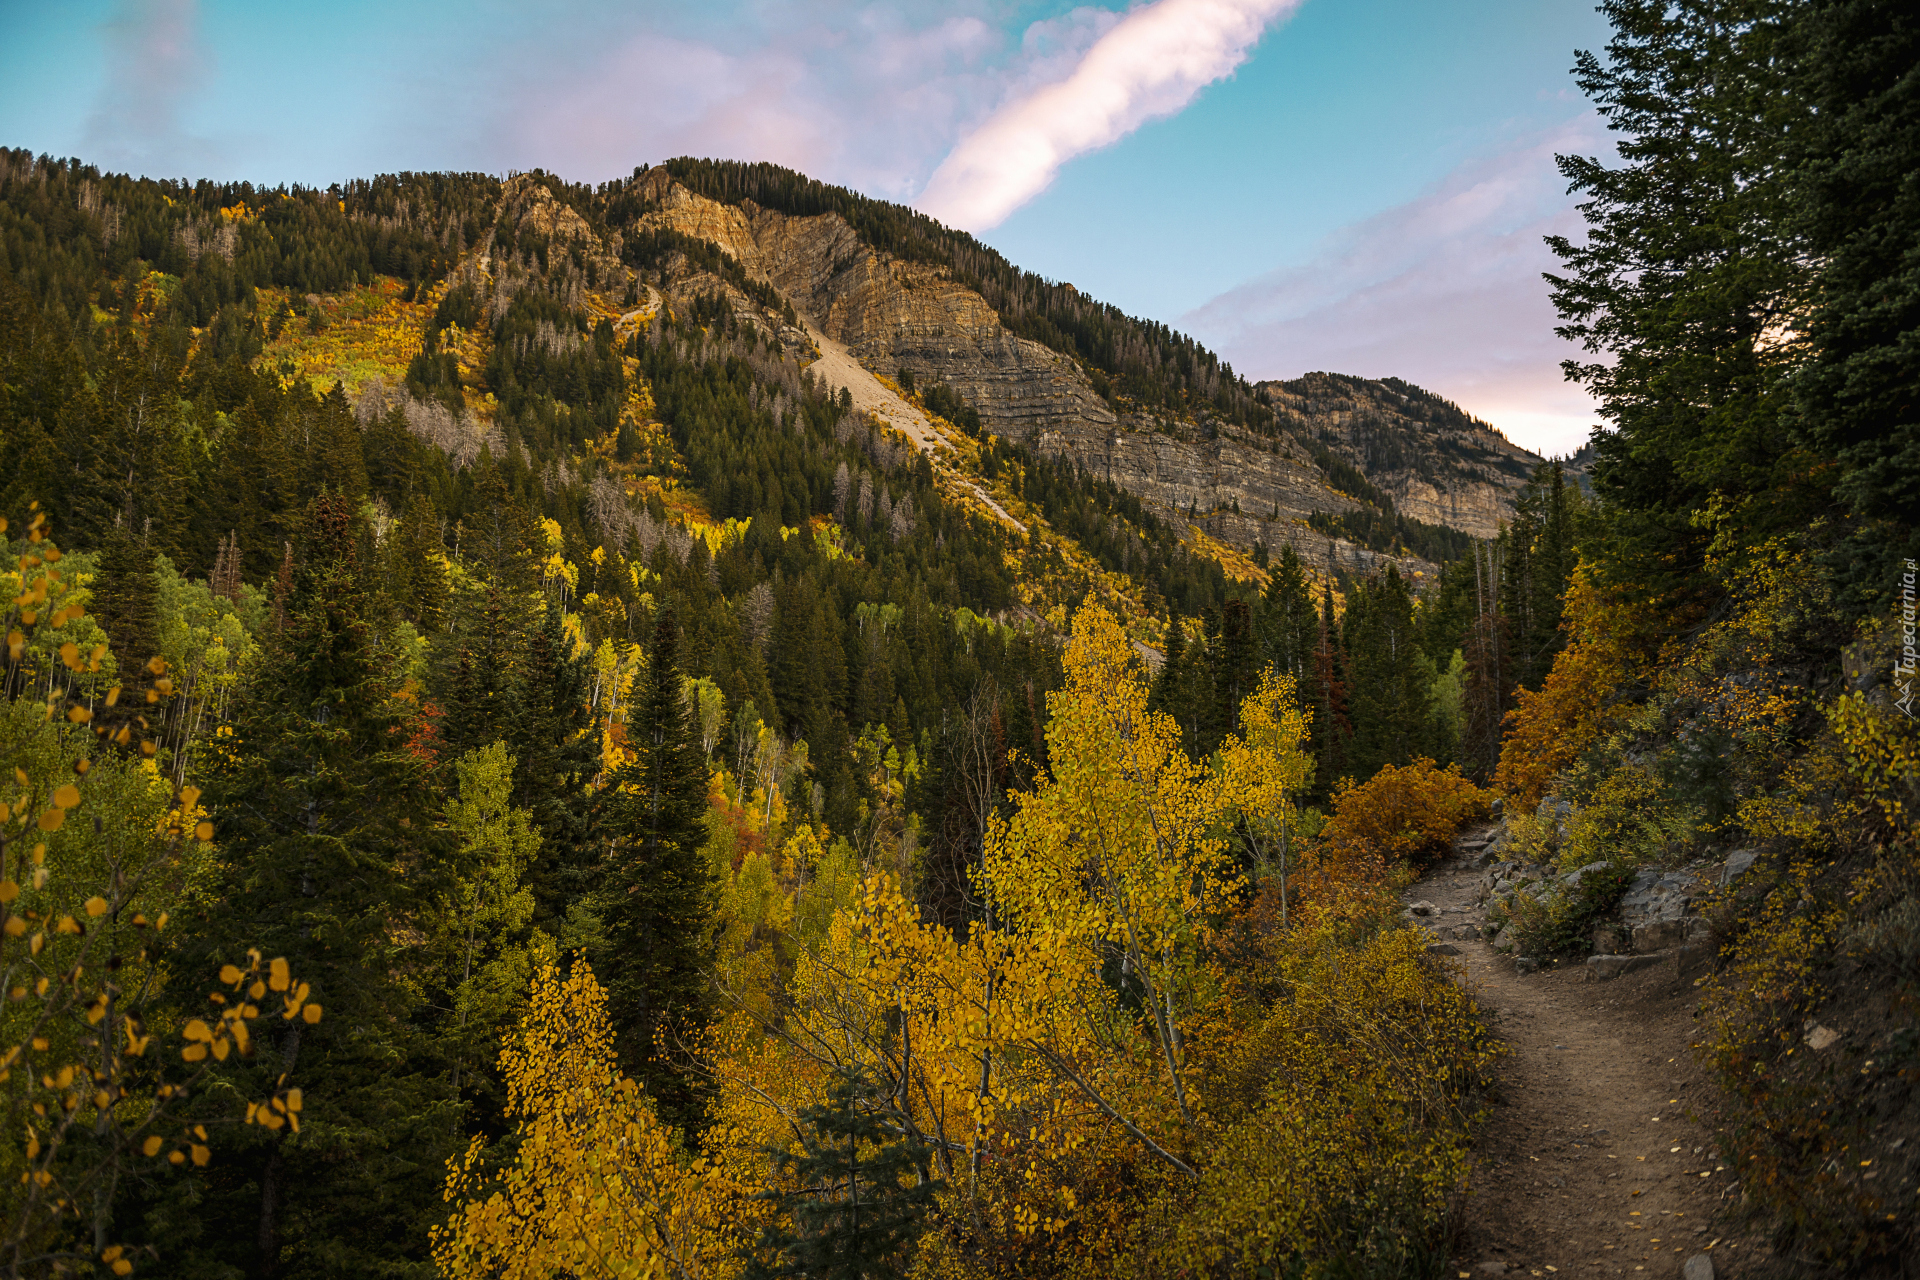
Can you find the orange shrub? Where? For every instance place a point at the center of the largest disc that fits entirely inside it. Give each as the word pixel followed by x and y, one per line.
pixel 1400 815
pixel 1551 726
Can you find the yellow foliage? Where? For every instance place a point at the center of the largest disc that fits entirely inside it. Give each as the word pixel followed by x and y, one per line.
pixel 598 1187
pixel 1549 727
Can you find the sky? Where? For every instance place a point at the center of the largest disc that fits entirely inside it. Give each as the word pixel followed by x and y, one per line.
pixel 1359 186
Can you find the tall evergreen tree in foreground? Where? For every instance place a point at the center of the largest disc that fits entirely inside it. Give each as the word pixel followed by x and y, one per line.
pixel 657 892
pixel 1858 65
pixel 328 855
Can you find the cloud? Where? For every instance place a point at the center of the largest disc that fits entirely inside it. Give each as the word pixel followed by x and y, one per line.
pixel 863 95
pixel 1444 291
pixel 154 62
pixel 1150 63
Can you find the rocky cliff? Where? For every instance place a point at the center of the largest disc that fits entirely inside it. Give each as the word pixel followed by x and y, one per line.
pixel 1242 484
pixel 1438 463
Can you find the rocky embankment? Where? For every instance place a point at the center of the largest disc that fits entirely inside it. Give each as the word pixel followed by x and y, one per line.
pixel 1657 919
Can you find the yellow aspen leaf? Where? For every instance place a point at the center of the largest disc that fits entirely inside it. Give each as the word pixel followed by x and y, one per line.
pixel 203 832
pixel 9 891
pixel 69 652
pixel 67 924
pixel 189 797
pixel 280 976
pixel 97 906
pixel 197 1030
pixel 79 715
pixel 201 1155
pixel 53 819
pixel 176 1157
pixel 311 1013
pixel 230 974
pixel 113 698
pixel 121 1267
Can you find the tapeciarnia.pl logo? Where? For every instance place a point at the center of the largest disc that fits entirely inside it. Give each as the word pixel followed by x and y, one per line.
pixel 1903 670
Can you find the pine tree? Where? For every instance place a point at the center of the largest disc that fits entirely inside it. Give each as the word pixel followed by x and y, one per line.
pixel 126 600
pixel 1289 626
pixel 1858 215
pixel 328 857
pixel 558 755
pixel 657 891
pixel 863 1192
pixel 1331 728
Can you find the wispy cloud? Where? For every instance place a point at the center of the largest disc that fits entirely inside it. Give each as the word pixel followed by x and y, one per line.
pixel 155 61
pixel 1150 63
pixel 1444 291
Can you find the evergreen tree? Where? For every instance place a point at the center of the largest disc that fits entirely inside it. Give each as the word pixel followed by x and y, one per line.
pixel 1858 215
pixel 329 858
pixel 125 600
pixel 1331 728
pixel 558 755
pixel 863 1192
pixel 657 892
pixel 1687 272
pixel 1289 625
pixel 1389 690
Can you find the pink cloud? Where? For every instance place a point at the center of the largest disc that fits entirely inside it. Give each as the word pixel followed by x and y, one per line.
pixel 1149 64
pixel 1444 291
pixel 154 61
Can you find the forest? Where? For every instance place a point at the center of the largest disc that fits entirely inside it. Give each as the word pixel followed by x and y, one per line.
pixel 506 774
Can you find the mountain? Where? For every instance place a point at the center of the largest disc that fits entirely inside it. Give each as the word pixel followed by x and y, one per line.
pixel 1123 399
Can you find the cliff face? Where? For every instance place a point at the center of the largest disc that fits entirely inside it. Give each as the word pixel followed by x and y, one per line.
pixel 1438 465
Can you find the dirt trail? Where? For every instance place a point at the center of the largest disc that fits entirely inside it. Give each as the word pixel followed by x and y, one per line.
pixel 1597 1159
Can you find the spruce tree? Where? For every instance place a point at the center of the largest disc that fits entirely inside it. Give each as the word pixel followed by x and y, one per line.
pixel 558 754
pixel 327 856
pixel 657 892
pixel 864 1192
pixel 1289 626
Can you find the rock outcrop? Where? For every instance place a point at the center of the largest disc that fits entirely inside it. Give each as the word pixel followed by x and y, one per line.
pixel 1439 464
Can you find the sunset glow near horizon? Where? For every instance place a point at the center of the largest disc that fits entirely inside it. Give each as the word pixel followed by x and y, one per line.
pixel 1358 186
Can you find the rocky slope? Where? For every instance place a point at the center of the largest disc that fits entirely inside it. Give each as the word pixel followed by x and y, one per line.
pixel 1242 485
pixel 1438 463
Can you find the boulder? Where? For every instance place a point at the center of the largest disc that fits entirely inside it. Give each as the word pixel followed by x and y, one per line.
pixel 1699 1267
pixel 1526 964
pixel 1442 949
pixel 1658 935
pixel 1574 879
pixel 1601 968
pixel 1608 940
pixel 1738 863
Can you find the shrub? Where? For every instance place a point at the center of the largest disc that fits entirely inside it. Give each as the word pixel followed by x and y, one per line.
pixel 1561 921
pixel 1405 815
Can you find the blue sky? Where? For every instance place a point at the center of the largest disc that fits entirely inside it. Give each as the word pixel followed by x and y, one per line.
pixel 1357 185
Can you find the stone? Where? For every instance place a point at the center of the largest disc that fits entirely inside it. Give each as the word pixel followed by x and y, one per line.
pixel 1822 1037
pixel 1658 935
pixel 1500 942
pixel 1526 964
pixel 1422 908
pixel 1699 1267
pixel 1738 863
pixel 1491 1267
pixel 1442 949
pixel 1574 879
pixel 1601 968
pixel 1497 807
pixel 1608 940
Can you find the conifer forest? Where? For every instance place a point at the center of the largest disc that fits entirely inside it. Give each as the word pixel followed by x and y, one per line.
pixel 510 771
